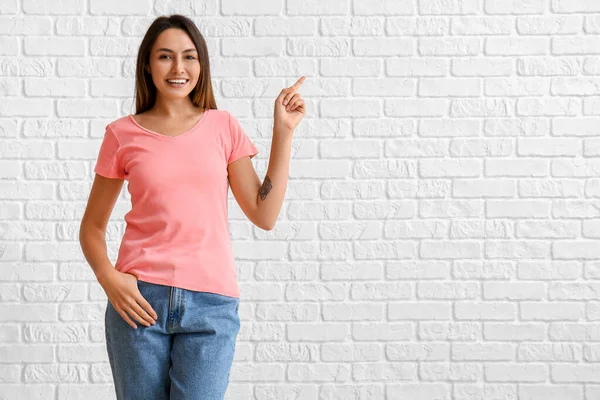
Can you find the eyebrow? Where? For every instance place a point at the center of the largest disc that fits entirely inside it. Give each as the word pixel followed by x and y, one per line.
pixel 171 51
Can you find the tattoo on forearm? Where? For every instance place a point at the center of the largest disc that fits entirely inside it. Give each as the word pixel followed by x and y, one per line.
pixel 265 188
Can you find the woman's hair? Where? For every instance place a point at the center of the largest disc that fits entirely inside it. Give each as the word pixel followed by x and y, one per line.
pixel 145 91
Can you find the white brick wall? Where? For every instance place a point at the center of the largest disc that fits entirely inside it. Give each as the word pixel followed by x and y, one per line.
pixel 439 238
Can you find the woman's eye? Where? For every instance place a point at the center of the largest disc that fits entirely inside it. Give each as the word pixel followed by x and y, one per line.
pixel 189 57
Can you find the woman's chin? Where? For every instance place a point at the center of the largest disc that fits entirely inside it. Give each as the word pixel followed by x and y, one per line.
pixel 174 94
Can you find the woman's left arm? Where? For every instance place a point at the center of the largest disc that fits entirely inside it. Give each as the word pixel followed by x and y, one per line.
pixel 263 204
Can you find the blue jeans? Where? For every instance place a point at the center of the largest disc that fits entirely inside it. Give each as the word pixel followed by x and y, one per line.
pixel 187 354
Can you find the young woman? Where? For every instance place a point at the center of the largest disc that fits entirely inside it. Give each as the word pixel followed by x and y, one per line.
pixel 175 272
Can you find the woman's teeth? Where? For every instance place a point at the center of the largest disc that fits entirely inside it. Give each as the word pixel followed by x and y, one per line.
pixel 177 82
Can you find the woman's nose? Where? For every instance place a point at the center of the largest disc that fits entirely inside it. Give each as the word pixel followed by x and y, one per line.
pixel 177 65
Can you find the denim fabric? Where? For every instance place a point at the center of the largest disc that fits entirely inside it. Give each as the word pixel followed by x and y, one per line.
pixel 187 354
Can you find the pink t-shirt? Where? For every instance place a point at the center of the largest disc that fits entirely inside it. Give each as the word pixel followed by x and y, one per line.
pixel 177 229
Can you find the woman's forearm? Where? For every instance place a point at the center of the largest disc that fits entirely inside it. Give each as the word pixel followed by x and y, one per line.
pixel 272 191
pixel 93 245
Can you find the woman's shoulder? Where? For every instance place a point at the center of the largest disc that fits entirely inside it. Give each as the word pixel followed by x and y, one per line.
pixel 219 113
pixel 117 124
pixel 218 118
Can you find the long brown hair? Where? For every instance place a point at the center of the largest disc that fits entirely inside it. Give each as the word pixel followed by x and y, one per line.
pixel 145 90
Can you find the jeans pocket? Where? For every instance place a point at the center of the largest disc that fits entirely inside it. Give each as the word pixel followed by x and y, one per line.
pixel 107 331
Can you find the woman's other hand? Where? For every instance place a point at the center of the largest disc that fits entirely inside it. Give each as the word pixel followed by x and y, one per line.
pixel 123 293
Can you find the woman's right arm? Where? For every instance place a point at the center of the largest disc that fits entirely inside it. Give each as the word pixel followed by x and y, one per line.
pixel 92 231
pixel 121 288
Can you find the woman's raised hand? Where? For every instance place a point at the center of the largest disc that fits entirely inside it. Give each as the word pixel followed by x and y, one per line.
pixel 289 107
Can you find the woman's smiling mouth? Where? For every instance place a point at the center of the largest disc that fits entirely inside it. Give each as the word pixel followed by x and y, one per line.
pixel 177 83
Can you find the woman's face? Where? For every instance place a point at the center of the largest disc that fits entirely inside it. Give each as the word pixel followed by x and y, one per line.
pixel 174 56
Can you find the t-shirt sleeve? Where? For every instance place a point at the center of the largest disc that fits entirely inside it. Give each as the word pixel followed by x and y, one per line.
pixel 108 163
pixel 240 142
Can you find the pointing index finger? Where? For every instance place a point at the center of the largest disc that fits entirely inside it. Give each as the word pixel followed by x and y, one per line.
pixel 299 82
